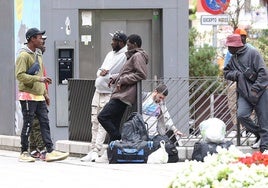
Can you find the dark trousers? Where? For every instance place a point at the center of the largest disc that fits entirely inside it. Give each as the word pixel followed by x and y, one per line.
pixel 110 118
pixel 244 112
pixel 29 110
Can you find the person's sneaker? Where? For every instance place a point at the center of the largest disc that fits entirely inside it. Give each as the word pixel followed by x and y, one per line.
pixel 94 156
pixel 56 156
pixel 43 155
pixel 256 145
pixel 87 158
pixel 264 150
pixel 26 157
pixel 103 158
pixel 257 142
pixel 35 154
pixel 244 134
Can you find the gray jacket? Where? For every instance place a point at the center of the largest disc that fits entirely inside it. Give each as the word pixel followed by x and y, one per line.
pixel 248 58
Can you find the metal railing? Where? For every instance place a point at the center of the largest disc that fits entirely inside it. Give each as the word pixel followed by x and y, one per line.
pixel 189 102
pixel 193 100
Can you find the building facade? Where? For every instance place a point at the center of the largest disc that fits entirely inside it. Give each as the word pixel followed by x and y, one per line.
pixel 78 40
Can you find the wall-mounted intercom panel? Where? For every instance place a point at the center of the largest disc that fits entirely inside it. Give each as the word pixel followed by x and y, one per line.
pixel 65 65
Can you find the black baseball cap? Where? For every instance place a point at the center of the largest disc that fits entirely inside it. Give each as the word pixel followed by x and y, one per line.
pixel 33 32
pixel 119 35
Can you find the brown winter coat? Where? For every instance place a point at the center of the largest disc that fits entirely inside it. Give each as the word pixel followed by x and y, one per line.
pixel 133 71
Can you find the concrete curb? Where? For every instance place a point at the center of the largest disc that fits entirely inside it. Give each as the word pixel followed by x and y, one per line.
pixel 79 149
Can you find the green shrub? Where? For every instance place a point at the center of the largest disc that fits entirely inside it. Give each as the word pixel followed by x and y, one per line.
pixel 201 59
pixel 261 44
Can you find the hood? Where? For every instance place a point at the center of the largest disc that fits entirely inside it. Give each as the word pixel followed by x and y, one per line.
pixel 242 50
pixel 26 49
pixel 141 51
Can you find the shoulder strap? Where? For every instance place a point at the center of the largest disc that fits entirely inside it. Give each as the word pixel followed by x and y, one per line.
pixel 242 66
pixel 36 57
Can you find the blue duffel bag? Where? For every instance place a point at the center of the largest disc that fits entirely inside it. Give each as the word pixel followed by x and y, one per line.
pixel 129 152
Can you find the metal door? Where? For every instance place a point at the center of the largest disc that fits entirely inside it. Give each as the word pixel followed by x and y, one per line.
pixel 141 22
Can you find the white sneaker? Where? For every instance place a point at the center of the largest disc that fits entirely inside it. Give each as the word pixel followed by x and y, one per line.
pixel 256 145
pixel 244 134
pixel 232 134
pixel 87 158
pixel 103 158
pixel 94 156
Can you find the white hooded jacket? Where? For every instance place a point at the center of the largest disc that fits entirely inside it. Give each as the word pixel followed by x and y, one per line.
pixel 113 62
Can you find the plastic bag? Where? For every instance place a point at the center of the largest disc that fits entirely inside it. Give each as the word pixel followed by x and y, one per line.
pixel 160 156
pixel 18 119
pixel 213 130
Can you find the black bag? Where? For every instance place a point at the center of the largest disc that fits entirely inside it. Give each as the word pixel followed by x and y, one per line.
pixel 170 147
pixel 34 69
pixel 250 75
pixel 129 152
pixel 201 149
pixel 134 129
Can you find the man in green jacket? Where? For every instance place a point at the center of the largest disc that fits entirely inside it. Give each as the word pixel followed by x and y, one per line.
pixel 37 146
pixel 32 95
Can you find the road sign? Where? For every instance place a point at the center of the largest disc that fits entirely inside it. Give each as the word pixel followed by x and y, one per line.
pixel 215 6
pixel 214 19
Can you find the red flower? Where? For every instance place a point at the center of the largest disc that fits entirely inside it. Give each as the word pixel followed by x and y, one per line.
pixel 246 160
pixel 255 158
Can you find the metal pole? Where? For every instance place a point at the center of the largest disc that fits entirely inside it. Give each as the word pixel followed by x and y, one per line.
pixel 238 142
pixel 214 41
pixel 139 98
pixel 212 106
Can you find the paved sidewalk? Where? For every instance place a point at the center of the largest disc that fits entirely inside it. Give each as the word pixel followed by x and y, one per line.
pixel 74 173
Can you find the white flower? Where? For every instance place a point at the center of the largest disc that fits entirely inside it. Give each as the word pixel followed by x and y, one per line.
pixel 221 170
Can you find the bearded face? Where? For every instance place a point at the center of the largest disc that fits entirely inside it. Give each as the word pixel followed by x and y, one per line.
pixel 115 45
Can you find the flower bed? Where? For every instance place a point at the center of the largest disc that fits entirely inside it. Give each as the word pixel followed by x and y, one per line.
pixel 226 169
pixel 255 158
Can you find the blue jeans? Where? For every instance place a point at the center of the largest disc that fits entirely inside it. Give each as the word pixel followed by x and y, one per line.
pixel 243 114
pixel 29 110
pixel 110 118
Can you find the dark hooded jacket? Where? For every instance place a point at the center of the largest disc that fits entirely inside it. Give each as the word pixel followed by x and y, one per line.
pixel 133 71
pixel 251 59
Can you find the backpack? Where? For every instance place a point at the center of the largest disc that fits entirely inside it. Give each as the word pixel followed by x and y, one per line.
pixel 134 129
pixel 202 149
pixel 134 146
